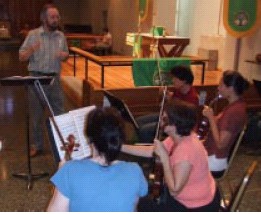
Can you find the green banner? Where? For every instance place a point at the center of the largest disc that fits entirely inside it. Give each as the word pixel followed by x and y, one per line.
pixel 242 14
pixel 151 71
pixel 143 9
pixel 241 17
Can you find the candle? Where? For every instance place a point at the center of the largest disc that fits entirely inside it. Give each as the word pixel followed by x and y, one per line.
pixel 139 22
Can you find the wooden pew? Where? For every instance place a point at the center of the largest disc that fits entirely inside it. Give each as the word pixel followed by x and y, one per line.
pixel 143 100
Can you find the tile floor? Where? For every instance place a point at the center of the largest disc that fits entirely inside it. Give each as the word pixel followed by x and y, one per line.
pixel 14 195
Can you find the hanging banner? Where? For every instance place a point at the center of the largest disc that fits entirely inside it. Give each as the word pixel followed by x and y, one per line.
pixel 143 9
pixel 242 17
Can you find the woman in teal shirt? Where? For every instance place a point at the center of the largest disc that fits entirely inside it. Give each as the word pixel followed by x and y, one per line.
pixel 100 183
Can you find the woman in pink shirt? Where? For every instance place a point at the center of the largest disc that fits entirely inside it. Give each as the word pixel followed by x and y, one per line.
pixel 187 178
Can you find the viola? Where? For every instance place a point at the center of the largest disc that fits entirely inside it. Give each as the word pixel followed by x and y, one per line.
pixel 158 173
pixel 203 127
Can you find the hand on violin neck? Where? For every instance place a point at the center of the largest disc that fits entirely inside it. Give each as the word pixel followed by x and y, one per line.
pixel 208 112
pixel 160 150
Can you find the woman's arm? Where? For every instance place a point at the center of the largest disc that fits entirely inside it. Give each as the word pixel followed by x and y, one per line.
pixel 181 172
pixel 176 177
pixel 142 151
pixel 221 138
pixel 58 203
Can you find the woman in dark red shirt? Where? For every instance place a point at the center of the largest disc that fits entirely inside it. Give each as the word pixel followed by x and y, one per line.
pixel 182 78
pixel 225 127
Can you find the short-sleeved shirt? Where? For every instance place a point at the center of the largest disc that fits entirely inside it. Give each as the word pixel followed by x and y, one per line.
pixel 231 119
pixel 91 187
pixel 45 58
pixel 200 187
pixel 191 96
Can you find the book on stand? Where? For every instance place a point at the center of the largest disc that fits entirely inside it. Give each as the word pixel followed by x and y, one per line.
pixel 72 123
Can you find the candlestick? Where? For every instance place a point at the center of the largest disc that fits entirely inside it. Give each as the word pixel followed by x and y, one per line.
pixel 139 23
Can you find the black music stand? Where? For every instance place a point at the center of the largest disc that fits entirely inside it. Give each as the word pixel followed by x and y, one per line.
pixel 26 81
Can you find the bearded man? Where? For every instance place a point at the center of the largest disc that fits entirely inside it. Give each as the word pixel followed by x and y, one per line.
pixel 45 47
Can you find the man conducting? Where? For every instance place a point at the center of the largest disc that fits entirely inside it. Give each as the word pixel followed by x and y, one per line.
pixel 45 48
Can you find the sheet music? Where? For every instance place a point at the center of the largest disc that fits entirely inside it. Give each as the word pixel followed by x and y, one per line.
pixel 79 118
pixel 73 123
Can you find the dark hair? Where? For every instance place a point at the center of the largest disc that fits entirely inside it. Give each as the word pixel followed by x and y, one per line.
pixel 183 115
pixel 236 80
pixel 105 129
pixel 44 10
pixel 183 73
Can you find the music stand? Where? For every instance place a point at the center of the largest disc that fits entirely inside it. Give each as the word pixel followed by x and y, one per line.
pixel 26 81
pixel 122 107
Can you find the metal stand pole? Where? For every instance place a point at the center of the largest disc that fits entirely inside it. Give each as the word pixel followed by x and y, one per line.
pixel 29 176
pixel 237 54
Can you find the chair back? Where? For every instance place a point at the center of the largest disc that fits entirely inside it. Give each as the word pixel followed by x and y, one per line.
pixel 233 152
pixel 238 195
pixel 234 148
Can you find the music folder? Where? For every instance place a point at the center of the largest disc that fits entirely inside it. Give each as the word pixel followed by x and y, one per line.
pixel 121 106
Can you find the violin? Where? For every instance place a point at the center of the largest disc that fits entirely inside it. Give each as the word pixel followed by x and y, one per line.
pixel 203 128
pixel 158 173
pixel 69 145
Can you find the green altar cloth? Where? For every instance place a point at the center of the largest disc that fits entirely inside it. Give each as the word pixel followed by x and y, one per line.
pixel 146 71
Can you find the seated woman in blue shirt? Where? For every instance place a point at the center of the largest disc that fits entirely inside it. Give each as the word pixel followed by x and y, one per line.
pixel 100 183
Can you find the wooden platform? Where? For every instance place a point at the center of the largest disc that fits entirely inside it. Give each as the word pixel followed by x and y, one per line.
pixel 121 77
pixel 116 60
pixel 116 77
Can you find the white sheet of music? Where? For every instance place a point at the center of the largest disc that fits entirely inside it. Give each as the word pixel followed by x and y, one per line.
pixel 79 117
pixel 73 123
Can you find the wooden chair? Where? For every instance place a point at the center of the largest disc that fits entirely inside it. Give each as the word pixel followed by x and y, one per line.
pixel 240 190
pixel 231 157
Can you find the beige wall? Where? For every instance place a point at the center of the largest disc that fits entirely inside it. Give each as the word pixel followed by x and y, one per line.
pixel 250 46
pixel 85 12
pixel 91 13
pixel 123 18
pixel 205 23
pixel 164 14
pixel 69 11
